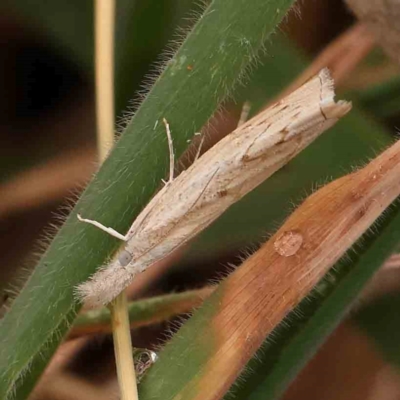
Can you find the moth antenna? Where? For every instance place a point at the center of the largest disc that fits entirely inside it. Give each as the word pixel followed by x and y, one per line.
pixel 107 229
pixel 171 151
pixel 199 149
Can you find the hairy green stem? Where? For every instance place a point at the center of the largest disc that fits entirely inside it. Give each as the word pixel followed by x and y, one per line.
pixel 142 312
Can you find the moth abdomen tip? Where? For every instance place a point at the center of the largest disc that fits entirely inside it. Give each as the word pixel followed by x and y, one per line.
pixel 104 286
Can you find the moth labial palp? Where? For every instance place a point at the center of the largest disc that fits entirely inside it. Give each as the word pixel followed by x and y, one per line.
pixel 217 179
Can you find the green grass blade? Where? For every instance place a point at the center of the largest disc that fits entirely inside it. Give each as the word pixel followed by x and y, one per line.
pixel 218 50
pixel 381 99
pixel 298 337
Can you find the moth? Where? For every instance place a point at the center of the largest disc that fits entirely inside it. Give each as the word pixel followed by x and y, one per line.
pixel 224 174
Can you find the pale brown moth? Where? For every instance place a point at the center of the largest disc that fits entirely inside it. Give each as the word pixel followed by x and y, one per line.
pixel 220 177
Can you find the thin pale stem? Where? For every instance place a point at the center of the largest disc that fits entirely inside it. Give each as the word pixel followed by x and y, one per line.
pixel 104 37
pixel 104 34
pixel 244 115
pixel 123 348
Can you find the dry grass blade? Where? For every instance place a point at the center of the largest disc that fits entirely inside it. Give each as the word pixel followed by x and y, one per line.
pixel 259 294
pixel 65 386
pixel 392 262
pixel 46 183
pixel 382 18
pixel 362 373
pixel 341 56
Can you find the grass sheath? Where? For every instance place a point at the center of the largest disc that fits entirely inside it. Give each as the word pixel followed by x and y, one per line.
pixel 251 302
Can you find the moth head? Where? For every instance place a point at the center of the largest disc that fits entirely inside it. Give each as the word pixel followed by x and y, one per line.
pixel 124 258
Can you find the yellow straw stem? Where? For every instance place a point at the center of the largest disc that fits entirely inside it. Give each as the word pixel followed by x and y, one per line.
pixel 104 61
pixel 104 66
pixel 123 348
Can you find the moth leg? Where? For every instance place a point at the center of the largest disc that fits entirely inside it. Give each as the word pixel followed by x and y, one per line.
pixel 171 152
pixel 244 115
pixel 109 230
pixel 199 150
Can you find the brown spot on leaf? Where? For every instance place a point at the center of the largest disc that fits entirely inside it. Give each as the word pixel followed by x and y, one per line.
pixel 288 243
